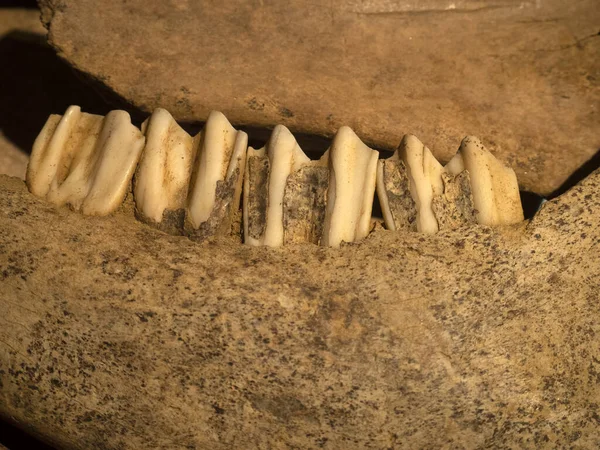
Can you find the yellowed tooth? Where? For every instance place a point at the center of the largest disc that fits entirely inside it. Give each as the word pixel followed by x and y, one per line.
pixel 352 179
pixel 190 185
pixel 494 186
pixel 163 175
pixel 217 178
pixel 85 161
pixel 267 172
pixel 407 183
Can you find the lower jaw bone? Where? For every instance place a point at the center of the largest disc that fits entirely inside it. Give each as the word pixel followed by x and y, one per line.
pixel 85 161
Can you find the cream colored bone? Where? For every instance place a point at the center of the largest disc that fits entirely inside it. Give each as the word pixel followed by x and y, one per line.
pixel 84 160
pixel 178 172
pixel 494 186
pixel 284 156
pixel 352 179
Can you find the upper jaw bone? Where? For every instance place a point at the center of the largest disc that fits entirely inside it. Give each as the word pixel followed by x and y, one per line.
pixel 186 184
pixel 85 161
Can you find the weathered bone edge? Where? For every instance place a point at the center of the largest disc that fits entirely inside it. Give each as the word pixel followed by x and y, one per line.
pixel 115 335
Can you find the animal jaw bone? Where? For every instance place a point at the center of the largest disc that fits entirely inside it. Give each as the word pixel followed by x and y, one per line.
pixel 416 192
pixel 200 178
pixel 85 160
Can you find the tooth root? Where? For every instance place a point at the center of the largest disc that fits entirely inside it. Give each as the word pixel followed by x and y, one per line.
pixel 85 160
pixel 352 179
pixel 267 174
pixel 454 208
pixel 305 202
pixel 393 190
pixel 163 175
pixel 407 183
pixel 494 186
pixel 216 182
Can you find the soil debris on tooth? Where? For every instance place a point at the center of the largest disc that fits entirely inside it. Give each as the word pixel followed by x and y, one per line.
pixel 188 184
pixel 417 193
pixel 84 160
pixel 163 175
pixel 406 185
pixel 494 186
pixel 281 204
pixel 352 179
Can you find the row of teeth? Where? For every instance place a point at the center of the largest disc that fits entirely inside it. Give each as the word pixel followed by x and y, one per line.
pixel 192 185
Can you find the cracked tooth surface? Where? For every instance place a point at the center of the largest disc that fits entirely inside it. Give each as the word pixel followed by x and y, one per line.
pixel 352 179
pixel 162 178
pixel 267 172
pixel 84 160
pixel 494 186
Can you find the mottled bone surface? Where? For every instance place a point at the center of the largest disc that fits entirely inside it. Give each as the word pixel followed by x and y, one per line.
pixel 116 335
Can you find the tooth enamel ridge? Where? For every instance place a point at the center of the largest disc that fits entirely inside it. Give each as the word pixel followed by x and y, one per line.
pixel 85 161
pixel 352 180
pixel 188 184
pixel 417 193
pixel 494 186
pixel 193 185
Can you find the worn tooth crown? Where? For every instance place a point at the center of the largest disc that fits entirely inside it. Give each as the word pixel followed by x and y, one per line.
pixel 84 160
pixel 221 155
pixel 192 185
pixel 494 186
pixel 416 192
pixel 352 179
pixel 186 184
pixel 163 175
pixel 267 172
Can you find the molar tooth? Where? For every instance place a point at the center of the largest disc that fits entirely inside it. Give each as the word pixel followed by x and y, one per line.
pixel 85 161
pixel 407 184
pixel 190 185
pixel 217 178
pixel 267 172
pixel 494 186
pixel 352 179
pixel 454 208
pixel 162 178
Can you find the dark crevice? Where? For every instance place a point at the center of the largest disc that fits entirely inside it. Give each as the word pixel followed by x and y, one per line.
pixel 13 438
pixel 579 175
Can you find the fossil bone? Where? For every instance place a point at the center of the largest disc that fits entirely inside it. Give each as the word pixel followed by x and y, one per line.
pixel 416 192
pixel 192 183
pixel 85 160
